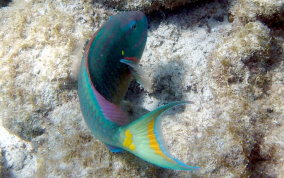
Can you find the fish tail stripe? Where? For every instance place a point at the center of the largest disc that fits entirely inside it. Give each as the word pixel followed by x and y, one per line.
pixel 142 138
pixel 153 141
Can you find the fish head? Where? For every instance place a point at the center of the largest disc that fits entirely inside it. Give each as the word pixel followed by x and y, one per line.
pixel 133 27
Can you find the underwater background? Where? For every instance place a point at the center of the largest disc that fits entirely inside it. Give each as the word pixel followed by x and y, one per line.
pixel 224 55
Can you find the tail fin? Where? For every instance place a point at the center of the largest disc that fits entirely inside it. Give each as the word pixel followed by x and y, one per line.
pixel 142 138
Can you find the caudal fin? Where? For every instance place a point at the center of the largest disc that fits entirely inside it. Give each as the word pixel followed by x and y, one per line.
pixel 142 138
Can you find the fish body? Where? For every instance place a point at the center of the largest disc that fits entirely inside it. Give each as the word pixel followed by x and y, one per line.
pixel 106 70
pixel 123 35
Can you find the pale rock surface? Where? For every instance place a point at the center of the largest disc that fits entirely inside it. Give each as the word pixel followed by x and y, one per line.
pixel 233 72
pixel 16 155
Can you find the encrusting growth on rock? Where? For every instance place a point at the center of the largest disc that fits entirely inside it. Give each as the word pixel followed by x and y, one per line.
pixel 251 10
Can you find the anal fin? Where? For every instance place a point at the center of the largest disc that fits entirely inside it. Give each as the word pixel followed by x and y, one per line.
pixel 114 149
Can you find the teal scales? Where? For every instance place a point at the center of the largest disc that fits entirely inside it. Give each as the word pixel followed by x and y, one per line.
pixel 110 62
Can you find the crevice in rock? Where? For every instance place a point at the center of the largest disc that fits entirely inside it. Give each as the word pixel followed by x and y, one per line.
pixel 275 22
pixel 163 13
pixel 255 158
pixel 4 3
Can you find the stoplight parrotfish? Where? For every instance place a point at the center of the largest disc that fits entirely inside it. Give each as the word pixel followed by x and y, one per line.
pixel 108 65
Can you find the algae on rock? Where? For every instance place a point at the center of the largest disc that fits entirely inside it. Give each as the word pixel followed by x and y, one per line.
pixel 244 52
pixel 251 10
pixel 243 68
pixel 35 68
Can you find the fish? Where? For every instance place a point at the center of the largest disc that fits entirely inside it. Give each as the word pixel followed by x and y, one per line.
pixel 109 64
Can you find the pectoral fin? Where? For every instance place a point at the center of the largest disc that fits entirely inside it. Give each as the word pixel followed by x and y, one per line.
pixel 137 73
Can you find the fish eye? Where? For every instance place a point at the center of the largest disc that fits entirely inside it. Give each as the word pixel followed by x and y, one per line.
pixel 132 25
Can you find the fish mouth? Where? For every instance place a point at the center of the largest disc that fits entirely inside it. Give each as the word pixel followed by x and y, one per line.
pixel 134 59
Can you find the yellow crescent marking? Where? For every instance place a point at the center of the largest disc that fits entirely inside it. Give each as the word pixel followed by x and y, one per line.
pixel 122 52
pixel 153 141
pixel 128 143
